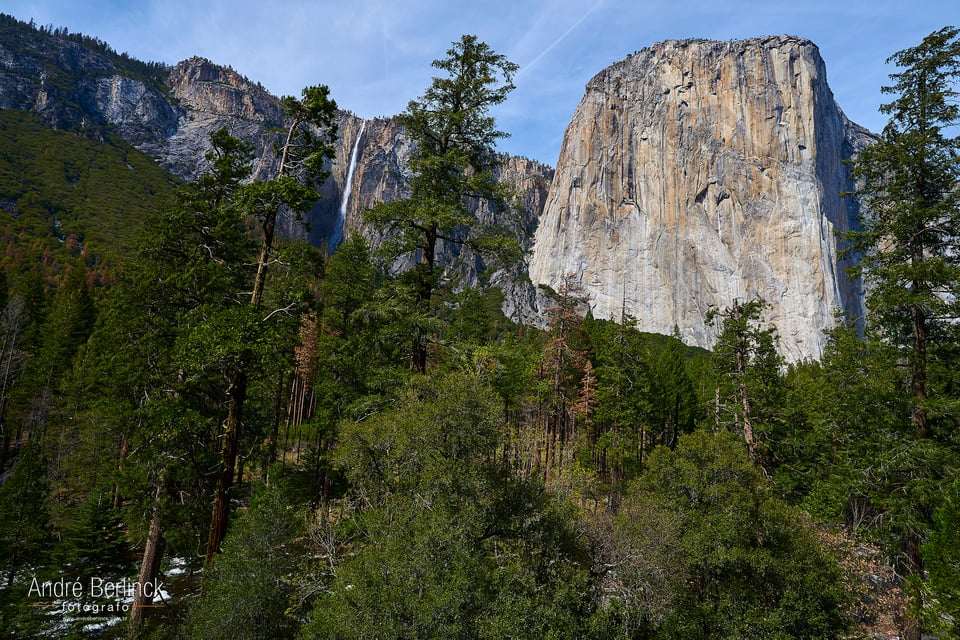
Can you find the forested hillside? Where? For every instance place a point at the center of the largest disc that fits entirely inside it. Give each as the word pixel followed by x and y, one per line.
pixel 62 190
pixel 210 431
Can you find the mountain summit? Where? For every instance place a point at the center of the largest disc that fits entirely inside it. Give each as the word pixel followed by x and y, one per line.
pixel 695 173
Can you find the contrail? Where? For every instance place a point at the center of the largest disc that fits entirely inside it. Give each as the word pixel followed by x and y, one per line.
pixel 576 24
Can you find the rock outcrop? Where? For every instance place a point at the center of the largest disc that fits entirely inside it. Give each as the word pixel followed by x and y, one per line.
pixel 79 83
pixel 695 173
pixel 379 152
pixel 210 97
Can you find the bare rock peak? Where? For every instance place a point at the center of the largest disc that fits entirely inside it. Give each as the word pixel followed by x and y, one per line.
pixel 696 172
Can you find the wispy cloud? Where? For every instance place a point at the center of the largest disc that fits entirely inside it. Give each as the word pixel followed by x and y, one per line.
pixel 375 54
pixel 550 47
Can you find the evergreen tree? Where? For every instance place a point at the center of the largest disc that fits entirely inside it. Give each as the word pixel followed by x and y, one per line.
pixel 448 544
pixel 247 594
pixel 911 211
pixel 942 557
pixel 94 542
pixel 559 376
pixel 309 131
pixel 24 538
pixel 452 166
pixel 673 401
pixel 13 321
pixel 619 436
pixel 746 359
pixel 339 361
pixel 705 550
pixel 910 222
pixel 169 335
pixel 24 516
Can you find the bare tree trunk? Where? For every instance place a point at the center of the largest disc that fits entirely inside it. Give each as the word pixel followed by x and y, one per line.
pixel 150 564
pixel 912 627
pixel 228 460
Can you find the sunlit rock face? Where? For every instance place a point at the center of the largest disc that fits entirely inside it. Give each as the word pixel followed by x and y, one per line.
pixel 210 97
pixel 695 173
pixel 379 151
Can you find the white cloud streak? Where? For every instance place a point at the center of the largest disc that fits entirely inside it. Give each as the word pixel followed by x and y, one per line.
pixel 552 45
pixel 375 55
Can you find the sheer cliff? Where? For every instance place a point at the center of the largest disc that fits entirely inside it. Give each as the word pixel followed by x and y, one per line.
pixel 694 173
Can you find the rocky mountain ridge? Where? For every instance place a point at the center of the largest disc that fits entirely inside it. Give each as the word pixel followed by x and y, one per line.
pixel 695 173
pixel 78 83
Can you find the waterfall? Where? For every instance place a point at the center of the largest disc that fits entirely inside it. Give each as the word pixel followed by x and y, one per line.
pixel 347 187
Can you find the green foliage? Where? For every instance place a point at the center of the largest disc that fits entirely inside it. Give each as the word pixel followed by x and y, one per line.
pixel 942 556
pixel 623 398
pixel 452 166
pixel 444 436
pixel 66 326
pixel 708 551
pixel 247 593
pixel 310 132
pixel 911 214
pixel 169 332
pixel 748 365
pixel 348 284
pixel 909 224
pixel 71 196
pixel 94 543
pixel 674 405
pixel 24 517
pixel 854 410
pixel 451 545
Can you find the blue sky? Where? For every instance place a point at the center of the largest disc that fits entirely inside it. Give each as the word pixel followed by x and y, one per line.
pixel 375 54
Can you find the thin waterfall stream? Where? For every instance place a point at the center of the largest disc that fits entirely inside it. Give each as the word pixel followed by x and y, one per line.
pixel 347 187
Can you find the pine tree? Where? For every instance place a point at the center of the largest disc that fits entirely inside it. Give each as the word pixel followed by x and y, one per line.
pixel 94 544
pixel 307 145
pixel 620 433
pixel 165 342
pixel 942 556
pixel 561 368
pixel 247 593
pixel 24 533
pixel 706 550
pixel 23 512
pixel 452 166
pixel 911 214
pixel 746 359
pixel 908 242
pixel 448 543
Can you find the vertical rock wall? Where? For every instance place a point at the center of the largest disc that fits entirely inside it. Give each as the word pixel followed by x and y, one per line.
pixel 695 173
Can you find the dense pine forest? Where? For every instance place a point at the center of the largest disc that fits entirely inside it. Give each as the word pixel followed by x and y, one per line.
pixel 211 431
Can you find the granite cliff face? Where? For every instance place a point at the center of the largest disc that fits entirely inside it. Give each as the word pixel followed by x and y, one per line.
pixel 210 97
pixel 371 159
pixel 695 173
